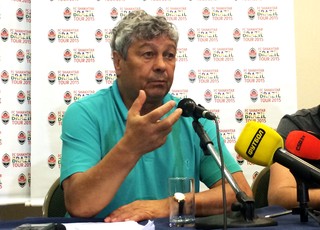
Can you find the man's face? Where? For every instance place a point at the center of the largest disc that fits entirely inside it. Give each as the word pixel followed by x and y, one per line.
pixel 149 66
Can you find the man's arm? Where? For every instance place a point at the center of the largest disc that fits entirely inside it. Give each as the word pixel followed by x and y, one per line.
pixel 283 189
pixel 87 193
pixel 208 202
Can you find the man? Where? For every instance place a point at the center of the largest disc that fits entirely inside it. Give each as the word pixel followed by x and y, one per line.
pixel 282 185
pixel 121 144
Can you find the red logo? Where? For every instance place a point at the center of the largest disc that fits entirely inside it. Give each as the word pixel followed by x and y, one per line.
pixel 22 180
pixel 5 160
pixel 20 55
pixel 52 161
pixel 67 55
pixel 4 76
pixel 67 97
pixel 67 14
pixel 5 117
pixel 114 14
pixel 99 35
pixel 20 14
pixel 21 137
pixel 52 118
pixel 52 77
pixel 52 35
pixel 21 97
pixel 4 34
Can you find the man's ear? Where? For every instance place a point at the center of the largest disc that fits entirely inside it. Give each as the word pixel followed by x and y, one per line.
pixel 117 58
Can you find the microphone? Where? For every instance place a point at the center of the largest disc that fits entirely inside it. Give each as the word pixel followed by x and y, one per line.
pixel 262 145
pixel 303 144
pixel 191 109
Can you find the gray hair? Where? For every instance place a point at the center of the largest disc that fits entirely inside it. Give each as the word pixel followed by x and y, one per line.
pixel 138 25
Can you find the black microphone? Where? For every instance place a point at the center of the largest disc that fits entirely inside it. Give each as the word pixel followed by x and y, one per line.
pixel 191 109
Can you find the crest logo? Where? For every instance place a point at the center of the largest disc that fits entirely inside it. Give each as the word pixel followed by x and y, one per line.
pixel 254 95
pixel 206 13
pixel 239 116
pixel 251 13
pixel 52 161
pixel 252 54
pixel 5 117
pixel 4 34
pixel 67 97
pixel 6 160
pixel 98 35
pixel 52 77
pixel 4 76
pixel 207 54
pixel 208 95
pixel 21 97
pixel 114 14
pixel 67 14
pixel 191 35
pixel 236 34
pixel 99 77
pixel 192 76
pixel 20 55
pixel 52 118
pixel 52 36
pixel 240 159
pixel 237 75
pixel 21 137
pixel 22 180
pixel 20 14
pixel 67 55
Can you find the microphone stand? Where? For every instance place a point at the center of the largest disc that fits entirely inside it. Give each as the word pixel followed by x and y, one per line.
pixel 303 199
pixel 242 211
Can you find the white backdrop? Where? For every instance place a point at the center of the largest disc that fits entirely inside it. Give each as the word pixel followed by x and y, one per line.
pixel 236 58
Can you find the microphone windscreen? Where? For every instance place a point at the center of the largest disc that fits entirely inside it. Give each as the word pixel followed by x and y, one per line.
pixel 187 105
pixel 258 143
pixel 303 144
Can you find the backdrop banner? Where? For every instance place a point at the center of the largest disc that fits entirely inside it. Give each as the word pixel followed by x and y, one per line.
pixel 236 58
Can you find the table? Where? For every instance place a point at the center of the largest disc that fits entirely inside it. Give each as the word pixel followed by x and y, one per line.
pixel 289 221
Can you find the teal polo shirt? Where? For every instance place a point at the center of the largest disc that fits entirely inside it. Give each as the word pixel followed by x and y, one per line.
pixel 95 123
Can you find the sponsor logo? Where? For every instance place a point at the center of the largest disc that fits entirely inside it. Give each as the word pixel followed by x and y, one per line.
pixel 255 142
pixel 222 13
pixel 224 96
pixel 257 115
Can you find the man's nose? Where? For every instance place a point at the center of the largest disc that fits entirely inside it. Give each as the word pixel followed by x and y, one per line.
pixel 159 64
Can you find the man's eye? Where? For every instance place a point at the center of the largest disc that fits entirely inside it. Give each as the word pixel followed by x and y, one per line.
pixel 148 54
pixel 170 55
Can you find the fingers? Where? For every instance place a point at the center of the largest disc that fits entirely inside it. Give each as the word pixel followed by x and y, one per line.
pixel 138 103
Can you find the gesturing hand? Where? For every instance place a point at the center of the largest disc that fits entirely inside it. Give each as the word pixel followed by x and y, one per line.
pixel 148 132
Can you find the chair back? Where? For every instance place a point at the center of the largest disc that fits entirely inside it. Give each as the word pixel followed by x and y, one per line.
pixel 260 188
pixel 53 205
